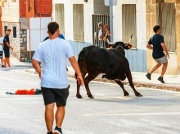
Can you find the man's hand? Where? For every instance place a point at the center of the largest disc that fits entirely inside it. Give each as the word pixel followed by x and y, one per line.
pixel 149 46
pixel 167 55
pixel 77 70
pixel 12 48
pixel 80 80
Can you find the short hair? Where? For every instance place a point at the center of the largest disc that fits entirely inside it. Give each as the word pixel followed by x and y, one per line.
pixel 106 26
pixel 53 27
pixel 8 30
pixel 100 24
pixel 156 28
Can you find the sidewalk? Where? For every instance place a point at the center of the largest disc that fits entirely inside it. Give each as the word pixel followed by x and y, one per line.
pixel 139 78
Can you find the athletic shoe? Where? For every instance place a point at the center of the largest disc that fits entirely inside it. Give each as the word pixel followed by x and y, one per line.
pixel 57 130
pixel 161 79
pixel 148 75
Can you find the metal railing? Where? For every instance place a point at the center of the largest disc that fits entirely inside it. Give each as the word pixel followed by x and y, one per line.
pixel 105 19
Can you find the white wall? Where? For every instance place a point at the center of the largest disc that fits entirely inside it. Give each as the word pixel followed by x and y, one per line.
pixel 10 11
pixel 140 17
pixel 68 7
pixel 37 33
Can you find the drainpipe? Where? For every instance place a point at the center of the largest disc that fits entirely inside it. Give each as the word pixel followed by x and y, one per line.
pixel 29 9
pixel 111 21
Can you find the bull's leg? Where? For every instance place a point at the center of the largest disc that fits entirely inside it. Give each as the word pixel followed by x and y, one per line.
pixel 122 86
pixel 78 95
pixel 89 78
pixel 129 76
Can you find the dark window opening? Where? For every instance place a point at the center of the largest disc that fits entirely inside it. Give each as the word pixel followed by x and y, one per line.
pixel 14 32
pixel 5 28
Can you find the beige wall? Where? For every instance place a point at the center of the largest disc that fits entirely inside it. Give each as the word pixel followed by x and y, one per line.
pixel 174 64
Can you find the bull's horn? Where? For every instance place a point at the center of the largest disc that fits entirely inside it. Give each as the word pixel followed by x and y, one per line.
pixel 130 38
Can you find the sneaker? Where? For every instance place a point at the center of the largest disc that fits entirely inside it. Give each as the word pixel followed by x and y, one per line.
pixel 161 79
pixel 57 130
pixel 148 75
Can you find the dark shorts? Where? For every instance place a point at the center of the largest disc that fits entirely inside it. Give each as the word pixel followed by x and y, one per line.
pixel 58 96
pixel 6 53
pixel 1 54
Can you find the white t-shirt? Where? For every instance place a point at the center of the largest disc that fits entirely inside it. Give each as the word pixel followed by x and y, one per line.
pixel 100 34
pixel 1 43
pixel 53 56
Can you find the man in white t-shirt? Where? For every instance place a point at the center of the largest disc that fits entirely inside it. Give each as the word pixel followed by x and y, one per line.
pixel 53 54
pixel 1 51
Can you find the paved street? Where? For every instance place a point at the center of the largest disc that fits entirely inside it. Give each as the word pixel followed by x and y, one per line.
pixel 157 112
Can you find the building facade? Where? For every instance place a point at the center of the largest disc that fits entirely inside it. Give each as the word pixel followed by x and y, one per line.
pixel 28 21
pixel 69 14
pixel 135 17
pixel 167 14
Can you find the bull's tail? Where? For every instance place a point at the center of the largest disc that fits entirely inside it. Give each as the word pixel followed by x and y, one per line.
pixel 80 62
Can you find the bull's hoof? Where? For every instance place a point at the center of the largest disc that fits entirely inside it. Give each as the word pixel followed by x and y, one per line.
pixel 79 96
pixel 139 95
pixel 90 96
pixel 126 94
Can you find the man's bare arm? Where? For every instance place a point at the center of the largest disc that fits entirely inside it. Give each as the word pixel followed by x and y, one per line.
pixel 149 46
pixel 37 67
pixel 9 45
pixel 165 49
pixel 77 70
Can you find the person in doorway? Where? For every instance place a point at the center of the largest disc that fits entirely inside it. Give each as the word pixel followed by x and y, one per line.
pixel 106 35
pixel 1 50
pixel 54 80
pixel 157 45
pixel 98 35
pixel 7 48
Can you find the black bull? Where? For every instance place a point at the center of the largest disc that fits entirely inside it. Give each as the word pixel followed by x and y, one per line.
pixel 112 62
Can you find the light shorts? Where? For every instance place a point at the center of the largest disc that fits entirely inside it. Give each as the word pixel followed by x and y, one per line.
pixel 161 60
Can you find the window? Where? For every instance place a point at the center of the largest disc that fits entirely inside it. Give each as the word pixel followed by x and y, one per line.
pixel 14 32
pixel 129 23
pixel 5 28
pixel 78 22
pixel 59 16
pixel 167 23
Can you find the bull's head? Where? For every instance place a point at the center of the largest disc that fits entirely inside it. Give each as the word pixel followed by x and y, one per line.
pixel 122 44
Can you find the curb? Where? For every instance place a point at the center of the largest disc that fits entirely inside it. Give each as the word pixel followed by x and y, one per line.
pixel 136 83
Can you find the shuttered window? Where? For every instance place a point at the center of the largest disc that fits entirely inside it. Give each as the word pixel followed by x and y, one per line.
pixel 78 22
pixel 59 17
pixel 166 18
pixel 14 32
pixel 129 23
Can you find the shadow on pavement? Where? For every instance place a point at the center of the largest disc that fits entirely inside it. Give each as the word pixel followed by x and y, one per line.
pixel 11 131
pixel 139 101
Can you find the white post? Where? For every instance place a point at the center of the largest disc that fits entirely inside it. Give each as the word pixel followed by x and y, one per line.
pixel 111 21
